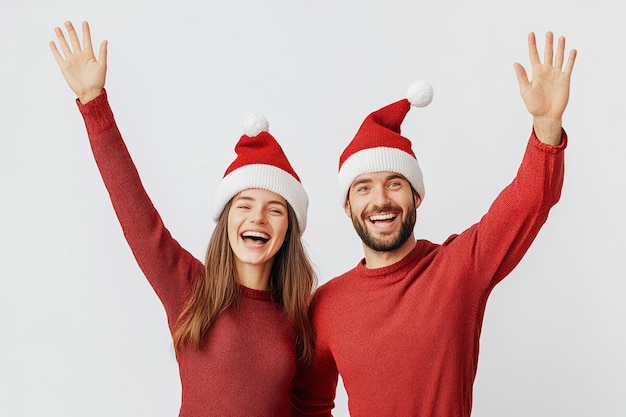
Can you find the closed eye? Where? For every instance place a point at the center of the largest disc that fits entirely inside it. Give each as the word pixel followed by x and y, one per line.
pixel 275 211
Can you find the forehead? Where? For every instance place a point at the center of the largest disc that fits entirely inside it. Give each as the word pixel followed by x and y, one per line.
pixel 378 177
pixel 261 195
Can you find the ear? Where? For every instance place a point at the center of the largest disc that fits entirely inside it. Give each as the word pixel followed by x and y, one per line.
pixel 346 207
pixel 417 199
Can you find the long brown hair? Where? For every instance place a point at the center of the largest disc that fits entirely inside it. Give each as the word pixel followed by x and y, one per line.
pixel 292 280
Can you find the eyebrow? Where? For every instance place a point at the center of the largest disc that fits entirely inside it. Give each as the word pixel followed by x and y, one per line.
pixel 246 198
pixel 361 181
pixel 395 177
pixel 368 180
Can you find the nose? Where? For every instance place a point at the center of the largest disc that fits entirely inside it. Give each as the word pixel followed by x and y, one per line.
pixel 380 197
pixel 258 216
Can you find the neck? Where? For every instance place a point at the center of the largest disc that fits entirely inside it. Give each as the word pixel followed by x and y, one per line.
pixel 378 259
pixel 253 276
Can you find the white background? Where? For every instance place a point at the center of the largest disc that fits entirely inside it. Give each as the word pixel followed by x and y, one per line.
pixel 82 332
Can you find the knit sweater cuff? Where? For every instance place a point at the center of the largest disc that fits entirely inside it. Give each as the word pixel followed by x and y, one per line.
pixel 549 148
pixel 97 114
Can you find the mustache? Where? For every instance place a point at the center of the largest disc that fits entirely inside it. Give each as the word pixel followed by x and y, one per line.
pixel 384 209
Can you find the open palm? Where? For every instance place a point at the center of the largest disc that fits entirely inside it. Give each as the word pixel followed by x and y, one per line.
pixel 547 94
pixel 84 74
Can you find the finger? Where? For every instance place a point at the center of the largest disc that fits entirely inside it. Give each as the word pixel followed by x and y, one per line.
pixel 102 55
pixel 55 52
pixel 73 36
pixel 87 37
pixel 548 52
pixel 560 53
pixel 62 42
pixel 532 49
pixel 570 62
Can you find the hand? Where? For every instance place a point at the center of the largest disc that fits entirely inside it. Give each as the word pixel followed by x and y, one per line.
pixel 84 74
pixel 546 95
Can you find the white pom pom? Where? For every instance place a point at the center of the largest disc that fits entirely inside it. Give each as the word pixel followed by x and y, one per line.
pixel 420 94
pixel 254 124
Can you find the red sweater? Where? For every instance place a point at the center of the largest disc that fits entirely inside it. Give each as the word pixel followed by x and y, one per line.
pixel 248 366
pixel 405 337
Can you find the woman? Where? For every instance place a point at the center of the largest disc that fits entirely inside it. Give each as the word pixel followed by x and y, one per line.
pixel 239 321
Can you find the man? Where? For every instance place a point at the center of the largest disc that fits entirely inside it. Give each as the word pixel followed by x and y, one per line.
pixel 403 326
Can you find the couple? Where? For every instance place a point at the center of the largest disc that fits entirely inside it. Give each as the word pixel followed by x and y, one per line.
pixel 252 334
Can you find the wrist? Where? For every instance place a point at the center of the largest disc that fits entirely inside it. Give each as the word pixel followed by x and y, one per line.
pixel 89 95
pixel 548 131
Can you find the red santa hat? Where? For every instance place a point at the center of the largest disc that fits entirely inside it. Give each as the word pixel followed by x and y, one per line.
pixel 378 145
pixel 261 163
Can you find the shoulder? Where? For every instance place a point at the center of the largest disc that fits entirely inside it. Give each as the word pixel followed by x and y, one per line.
pixel 337 283
pixel 337 287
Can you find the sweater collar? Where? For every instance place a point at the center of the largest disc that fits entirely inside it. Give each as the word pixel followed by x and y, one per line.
pixel 409 259
pixel 263 295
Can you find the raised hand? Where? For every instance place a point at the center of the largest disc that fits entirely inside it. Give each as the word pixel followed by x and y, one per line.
pixel 84 74
pixel 547 93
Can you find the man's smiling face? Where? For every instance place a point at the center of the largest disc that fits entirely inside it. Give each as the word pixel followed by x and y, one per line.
pixel 382 207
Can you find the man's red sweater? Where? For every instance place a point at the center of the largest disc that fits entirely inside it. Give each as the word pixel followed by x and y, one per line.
pixel 405 337
pixel 248 365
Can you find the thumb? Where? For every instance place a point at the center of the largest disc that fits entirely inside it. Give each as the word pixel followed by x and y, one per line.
pixel 522 77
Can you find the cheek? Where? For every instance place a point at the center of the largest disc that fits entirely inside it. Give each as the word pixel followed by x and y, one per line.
pixel 232 228
pixel 355 207
pixel 280 230
pixel 412 203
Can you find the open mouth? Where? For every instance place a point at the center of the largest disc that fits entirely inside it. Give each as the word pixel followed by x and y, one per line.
pixel 383 218
pixel 255 236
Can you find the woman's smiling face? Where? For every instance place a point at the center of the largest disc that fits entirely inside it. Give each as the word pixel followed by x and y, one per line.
pixel 257 225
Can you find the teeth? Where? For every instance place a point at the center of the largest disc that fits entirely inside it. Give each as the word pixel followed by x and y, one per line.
pixel 382 217
pixel 255 235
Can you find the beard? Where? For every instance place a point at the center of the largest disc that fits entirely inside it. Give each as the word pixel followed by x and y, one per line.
pixel 388 243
